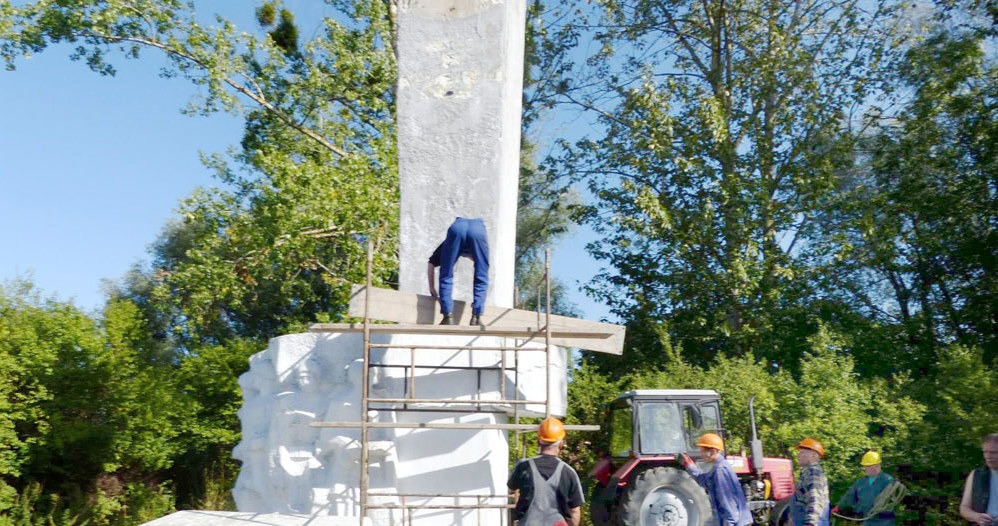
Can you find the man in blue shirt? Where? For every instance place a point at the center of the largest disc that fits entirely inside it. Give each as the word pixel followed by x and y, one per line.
pixel 864 492
pixel 726 496
pixel 465 237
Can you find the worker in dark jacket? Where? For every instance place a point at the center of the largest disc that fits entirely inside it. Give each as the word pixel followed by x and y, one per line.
pixel 726 496
pixel 465 237
pixel 864 492
pixel 550 490
pixel 809 504
pixel 980 493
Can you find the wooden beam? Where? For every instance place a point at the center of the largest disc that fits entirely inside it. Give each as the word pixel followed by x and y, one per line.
pixel 537 334
pixel 526 428
pixel 408 308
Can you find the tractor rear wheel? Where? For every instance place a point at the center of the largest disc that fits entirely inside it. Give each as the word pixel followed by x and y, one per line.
pixel 665 496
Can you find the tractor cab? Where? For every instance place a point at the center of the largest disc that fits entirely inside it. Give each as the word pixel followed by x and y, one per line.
pixel 654 422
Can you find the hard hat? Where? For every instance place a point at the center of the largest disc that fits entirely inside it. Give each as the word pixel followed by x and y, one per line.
pixel 870 458
pixel 812 444
pixel 710 440
pixel 550 431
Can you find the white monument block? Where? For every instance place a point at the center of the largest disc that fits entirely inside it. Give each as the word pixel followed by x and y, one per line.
pixel 460 67
pixel 290 467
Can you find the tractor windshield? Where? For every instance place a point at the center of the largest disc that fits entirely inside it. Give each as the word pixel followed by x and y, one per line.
pixel 660 428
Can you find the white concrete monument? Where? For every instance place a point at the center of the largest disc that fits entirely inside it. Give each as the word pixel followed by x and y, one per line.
pixel 459 94
pixel 460 87
pixel 293 468
pixel 458 125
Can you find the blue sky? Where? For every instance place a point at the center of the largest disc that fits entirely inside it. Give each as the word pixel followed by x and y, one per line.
pixel 92 168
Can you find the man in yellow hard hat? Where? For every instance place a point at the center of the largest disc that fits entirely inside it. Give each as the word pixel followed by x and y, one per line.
pixel 864 492
pixel 809 504
pixel 721 484
pixel 550 490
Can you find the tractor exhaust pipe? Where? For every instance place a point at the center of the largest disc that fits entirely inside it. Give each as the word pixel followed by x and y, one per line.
pixel 755 446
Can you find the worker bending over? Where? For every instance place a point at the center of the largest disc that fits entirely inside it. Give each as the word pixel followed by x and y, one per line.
pixel 726 496
pixel 465 237
pixel 979 504
pixel 864 492
pixel 809 505
pixel 550 491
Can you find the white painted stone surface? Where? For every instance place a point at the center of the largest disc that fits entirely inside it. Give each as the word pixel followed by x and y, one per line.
pixel 458 114
pixel 292 468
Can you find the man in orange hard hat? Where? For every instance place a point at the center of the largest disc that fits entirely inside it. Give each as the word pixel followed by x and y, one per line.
pixel 726 495
pixel 550 490
pixel 809 505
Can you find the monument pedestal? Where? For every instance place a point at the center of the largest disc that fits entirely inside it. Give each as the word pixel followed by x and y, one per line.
pixel 292 467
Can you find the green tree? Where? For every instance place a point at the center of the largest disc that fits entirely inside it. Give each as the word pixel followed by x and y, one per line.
pixel 209 430
pixel 720 127
pixel 230 66
pixel 958 397
pixel 315 173
pixel 545 201
pixel 542 218
pixel 913 234
pixel 78 402
pixel 279 245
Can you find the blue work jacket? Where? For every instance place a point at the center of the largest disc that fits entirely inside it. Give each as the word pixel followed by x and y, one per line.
pixel 726 495
pixel 863 493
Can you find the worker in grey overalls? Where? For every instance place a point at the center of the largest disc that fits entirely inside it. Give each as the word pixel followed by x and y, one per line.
pixel 550 491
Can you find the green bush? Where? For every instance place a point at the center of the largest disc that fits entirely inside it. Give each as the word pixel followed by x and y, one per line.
pixel 137 503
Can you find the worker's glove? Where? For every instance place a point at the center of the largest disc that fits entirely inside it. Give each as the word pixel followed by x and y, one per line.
pixel 835 509
pixel 686 460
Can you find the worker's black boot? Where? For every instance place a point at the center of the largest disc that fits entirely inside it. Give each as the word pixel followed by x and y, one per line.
pixel 476 319
pixel 447 320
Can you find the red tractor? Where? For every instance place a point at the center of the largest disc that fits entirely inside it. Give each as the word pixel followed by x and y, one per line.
pixel 641 481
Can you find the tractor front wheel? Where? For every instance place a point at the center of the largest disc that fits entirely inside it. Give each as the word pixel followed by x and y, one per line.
pixel 781 514
pixel 665 496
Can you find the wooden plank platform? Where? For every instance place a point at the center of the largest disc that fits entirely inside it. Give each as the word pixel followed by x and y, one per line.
pixel 537 334
pixel 441 425
pixel 408 308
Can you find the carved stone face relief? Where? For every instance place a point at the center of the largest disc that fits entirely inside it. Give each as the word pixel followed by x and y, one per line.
pixel 308 375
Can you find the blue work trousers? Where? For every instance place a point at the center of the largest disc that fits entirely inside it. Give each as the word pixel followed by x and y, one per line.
pixel 465 237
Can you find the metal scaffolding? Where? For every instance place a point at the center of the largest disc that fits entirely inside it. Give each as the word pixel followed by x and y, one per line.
pixel 411 403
